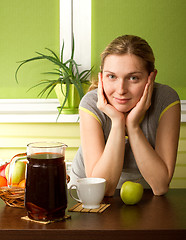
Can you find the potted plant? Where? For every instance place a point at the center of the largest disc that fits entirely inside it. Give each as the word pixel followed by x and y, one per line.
pixel 69 84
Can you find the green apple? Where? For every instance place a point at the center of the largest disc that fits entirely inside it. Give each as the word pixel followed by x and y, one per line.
pixel 131 192
pixel 18 172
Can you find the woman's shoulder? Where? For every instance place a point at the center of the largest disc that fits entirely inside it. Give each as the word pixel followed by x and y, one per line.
pixel 163 95
pixel 163 98
pixel 164 91
pixel 89 100
pixel 91 95
pixel 88 104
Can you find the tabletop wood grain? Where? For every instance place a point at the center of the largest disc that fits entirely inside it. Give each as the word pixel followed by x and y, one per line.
pixel 154 217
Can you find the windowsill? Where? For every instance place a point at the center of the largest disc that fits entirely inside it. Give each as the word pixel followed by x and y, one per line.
pixel 43 111
pixel 33 111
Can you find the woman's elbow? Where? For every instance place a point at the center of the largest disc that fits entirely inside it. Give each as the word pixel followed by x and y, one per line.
pixel 109 190
pixel 159 191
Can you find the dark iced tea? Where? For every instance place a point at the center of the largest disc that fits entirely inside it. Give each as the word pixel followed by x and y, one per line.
pixel 46 191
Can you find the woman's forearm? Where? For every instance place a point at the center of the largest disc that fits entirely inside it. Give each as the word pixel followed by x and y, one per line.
pixel 110 164
pixel 151 166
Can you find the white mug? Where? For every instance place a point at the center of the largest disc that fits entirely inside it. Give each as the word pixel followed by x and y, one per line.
pixel 90 191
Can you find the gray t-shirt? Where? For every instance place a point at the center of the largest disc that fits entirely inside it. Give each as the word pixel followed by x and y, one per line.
pixel 163 98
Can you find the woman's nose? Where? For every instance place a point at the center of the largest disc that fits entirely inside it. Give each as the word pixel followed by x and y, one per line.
pixel 122 86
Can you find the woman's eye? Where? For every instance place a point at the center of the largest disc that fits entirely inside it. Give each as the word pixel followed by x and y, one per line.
pixel 111 76
pixel 134 78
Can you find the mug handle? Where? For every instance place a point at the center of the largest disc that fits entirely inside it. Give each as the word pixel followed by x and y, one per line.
pixel 77 199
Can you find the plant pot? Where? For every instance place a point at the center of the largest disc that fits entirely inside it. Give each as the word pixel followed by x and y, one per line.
pixel 72 104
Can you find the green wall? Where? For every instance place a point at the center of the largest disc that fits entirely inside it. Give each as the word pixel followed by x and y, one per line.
pixel 26 26
pixel 160 22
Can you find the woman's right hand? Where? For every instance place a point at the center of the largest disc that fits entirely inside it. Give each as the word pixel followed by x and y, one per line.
pixel 103 104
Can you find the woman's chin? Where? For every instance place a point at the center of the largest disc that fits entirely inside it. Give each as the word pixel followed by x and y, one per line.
pixel 122 109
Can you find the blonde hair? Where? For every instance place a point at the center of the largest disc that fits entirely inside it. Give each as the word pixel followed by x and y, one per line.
pixel 128 44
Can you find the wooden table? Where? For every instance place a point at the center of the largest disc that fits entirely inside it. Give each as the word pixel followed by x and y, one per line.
pixel 153 218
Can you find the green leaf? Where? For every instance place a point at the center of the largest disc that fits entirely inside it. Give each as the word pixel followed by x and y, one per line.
pixel 72 56
pixel 50 58
pixel 76 67
pixel 78 86
pixel 73 47
pixel 62 49
pixel 84 75
pixel 52 73
pixel 49 82
pixel 66 97
pixel 51 89
pixel 53 54
pixel 24 62
pixel 45 89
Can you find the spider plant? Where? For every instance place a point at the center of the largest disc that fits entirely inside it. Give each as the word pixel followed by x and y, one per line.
pixel 65 73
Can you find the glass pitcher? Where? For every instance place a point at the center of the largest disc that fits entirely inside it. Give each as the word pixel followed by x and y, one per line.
pixel 46 188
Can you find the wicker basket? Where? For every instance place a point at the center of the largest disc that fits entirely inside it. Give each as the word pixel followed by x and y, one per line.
pixel 13 197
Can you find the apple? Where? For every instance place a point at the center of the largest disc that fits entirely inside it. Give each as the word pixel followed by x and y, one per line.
pixel 18 172
pixel 131 192
pixel 2 169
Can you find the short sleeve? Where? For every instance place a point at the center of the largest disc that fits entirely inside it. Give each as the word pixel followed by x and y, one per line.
pixel 164 97
pixel 89 104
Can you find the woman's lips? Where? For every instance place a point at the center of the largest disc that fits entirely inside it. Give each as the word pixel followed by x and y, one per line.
pixel 122 100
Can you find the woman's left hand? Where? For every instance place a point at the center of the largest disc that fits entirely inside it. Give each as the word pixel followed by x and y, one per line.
pixel 135 115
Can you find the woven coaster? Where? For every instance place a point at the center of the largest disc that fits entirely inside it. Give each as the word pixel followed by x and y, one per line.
pixel 46 222
pixel 78 208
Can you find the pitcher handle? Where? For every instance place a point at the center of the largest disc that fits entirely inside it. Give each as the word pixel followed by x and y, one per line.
pixel 77 199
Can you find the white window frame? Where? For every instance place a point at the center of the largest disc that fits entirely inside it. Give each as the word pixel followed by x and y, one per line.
pixel 75 19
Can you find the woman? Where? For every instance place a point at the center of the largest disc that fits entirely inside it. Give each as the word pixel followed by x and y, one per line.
pixel 129 125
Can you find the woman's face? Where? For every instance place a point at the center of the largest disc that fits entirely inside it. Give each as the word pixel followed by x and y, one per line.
pixel 124 79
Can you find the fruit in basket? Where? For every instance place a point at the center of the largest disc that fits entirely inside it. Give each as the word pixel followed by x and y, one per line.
pixel 2 169
pixel 7 170
pixel 18 172
pixel 131 192
pixel 22 184
pixel 3 181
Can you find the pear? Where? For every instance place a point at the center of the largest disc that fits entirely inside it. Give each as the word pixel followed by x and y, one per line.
pixel 18 172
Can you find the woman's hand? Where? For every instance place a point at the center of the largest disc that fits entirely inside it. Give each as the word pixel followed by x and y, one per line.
pixel 103 104
pixel 135 115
